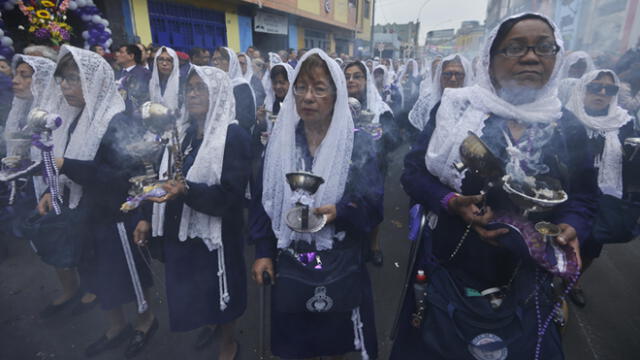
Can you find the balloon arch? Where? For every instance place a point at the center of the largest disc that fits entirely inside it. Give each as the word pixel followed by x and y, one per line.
pixel 95 28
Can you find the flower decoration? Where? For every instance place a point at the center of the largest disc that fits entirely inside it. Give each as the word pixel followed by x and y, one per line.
pixel 47 20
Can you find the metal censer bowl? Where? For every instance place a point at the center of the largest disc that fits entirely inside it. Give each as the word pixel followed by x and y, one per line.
pixel 299 218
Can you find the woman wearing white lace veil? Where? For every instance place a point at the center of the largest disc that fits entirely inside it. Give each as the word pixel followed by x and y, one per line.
pixel 457 74
pixel 165 84
pixel 575 65
pixel 226 60
pixel 480 242
pixel 202 223
pixel 31 76
pixel 388 90
pixel 256 82
pixel 94 170
pixel 594 101
pixel 314 133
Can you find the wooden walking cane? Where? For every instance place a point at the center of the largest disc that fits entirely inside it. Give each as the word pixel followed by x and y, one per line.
pixel 266 281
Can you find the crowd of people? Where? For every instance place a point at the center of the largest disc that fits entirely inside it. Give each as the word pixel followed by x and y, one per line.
pixel 482 283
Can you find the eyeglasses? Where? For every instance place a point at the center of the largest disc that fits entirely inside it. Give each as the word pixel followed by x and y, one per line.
pixel 70 79
pixel 316 91
pixel 165 60
pixel 596 88
pixel 199 89
pixel 451 74
pixel 354 76
pixel 543 49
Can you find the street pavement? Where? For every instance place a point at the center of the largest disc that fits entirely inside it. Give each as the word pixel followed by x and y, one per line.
pixel 607 329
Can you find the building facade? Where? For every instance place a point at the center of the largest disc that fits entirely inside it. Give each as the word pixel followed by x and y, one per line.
pixel 336 26
pixel 396 40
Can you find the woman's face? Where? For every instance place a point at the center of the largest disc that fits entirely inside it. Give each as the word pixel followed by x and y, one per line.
pixel 452 75
pixel 197 95
pixel 315 97
pixel 243 63
pixel 165 63
pixel 356 81
pixel 71 86
pixel 577 70
pixel 22 82
pixel 280 86
pixel 599 93
pixel 5 68
pixel 220 62
pixel 378 77
pixel 529 71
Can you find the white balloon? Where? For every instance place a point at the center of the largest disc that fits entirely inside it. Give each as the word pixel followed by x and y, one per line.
pixel 85 35
pixel 96 19
pixel 1 33
pixel 73 5
pixel 6 41
pixel 107 30
pixel 90 3
pixel 106 22
pixel 108 42
pixel 86 18
pixel 81 3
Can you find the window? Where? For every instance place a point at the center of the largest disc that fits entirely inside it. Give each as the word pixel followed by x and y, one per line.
pixel 316 39
pixel 367 9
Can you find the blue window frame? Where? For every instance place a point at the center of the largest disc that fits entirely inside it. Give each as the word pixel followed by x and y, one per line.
pixel 183 27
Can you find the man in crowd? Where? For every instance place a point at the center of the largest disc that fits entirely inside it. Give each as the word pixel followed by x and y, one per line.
pixel 133 78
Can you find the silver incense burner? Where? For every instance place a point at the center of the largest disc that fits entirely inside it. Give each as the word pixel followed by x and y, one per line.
pixel 299 218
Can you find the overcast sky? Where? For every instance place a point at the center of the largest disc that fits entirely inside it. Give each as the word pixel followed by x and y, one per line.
pixel 436 14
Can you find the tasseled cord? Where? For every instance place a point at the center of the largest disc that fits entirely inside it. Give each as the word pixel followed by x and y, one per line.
pixel 358 333
pixel 222 280
pixel 135 279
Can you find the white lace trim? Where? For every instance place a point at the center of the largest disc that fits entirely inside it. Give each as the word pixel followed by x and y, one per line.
pixel 609 163
pixel 331 162
pixel 358 333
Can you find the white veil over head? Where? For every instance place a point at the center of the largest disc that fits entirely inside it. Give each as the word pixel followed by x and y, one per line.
pixel 607 126
pixel 465 109
pixel 43 69
pixel 419 114
pixel 102 103
pixel 567 84
pixel 274 59
pixel 249 73
pixel 235 71
pixel 270 95
pixel 373 97
pixel 171 96
pixel 331 161
pixel 207 166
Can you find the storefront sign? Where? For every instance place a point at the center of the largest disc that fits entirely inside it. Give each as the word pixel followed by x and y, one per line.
pixel 270 23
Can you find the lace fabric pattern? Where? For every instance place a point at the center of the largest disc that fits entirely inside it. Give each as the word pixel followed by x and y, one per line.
pixel 171 96
pixel 608 127
pixel 43 69
pixel 331 161
pixel 465 109
pixel 419 115
pixel 102 103
pixel 374 99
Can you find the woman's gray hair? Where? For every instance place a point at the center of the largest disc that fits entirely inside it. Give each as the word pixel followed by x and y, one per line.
pixel 41 50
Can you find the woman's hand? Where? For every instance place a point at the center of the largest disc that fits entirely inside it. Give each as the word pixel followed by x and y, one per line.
pixel 261 114
pixel 141 233
pixel 259 267
pixel 569 236
pixel 45 205
pixel 174 190
pixel 466 207
pixel 59 163
pixel 329 211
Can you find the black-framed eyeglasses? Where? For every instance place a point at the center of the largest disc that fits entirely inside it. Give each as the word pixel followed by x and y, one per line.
pixel 451 74
pixel 609 89
pixel 544 49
